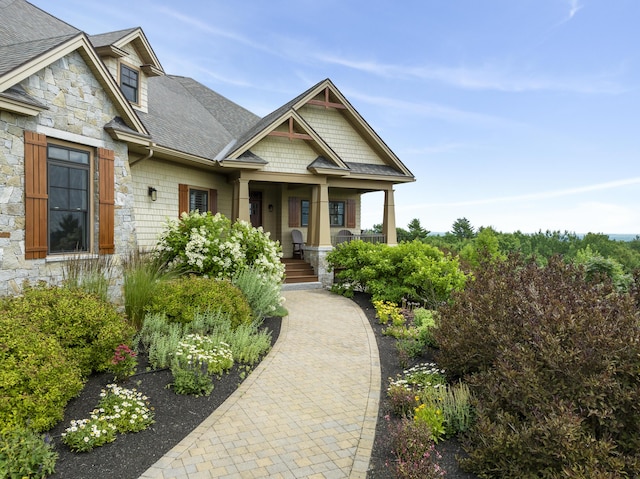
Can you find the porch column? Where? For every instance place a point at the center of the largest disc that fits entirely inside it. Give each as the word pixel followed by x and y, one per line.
pixel 240 207
pixel 389 218
pixel 319 233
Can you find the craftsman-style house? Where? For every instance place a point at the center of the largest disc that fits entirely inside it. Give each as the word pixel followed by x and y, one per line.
pixel 99 146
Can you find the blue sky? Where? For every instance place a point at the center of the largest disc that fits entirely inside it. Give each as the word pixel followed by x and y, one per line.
pixel 516 114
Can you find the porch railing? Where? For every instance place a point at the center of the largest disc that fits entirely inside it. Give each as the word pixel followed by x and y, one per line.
pixel 346 237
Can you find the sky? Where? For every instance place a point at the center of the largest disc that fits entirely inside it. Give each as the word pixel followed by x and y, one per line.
pixel 521 115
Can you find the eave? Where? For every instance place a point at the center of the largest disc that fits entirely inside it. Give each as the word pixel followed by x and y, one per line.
pixel 20 107
pixel 241 164
pixel 111 51
pixel 131 138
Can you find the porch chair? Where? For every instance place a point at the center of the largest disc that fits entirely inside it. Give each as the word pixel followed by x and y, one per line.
pixel 344 236
pixel 298 244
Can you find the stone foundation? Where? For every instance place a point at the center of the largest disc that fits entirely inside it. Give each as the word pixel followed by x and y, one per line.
pixel 316 256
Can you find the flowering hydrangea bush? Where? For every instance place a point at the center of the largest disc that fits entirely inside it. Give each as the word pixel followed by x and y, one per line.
pixel 212 245
pixel 120 410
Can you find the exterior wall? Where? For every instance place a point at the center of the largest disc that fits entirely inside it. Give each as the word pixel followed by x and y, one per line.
pixel 133 60
pixel 78 110
pixel 340 135
pixel 285 156
pixel 165 177
pixel 305 194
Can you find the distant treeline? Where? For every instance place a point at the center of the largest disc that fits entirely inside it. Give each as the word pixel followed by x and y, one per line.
pixel 467 242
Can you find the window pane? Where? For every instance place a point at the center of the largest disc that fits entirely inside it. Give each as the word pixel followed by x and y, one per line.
pixel 199 200
pixel 58 176
pixel 304 213
pixel 129 93
pixel 78 178
pixel 58 198
pixel 67 231
pixel 79 157
pixel 58 153
pixel 78 200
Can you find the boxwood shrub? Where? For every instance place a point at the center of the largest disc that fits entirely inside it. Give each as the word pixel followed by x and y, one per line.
pixel 36 377
pixel 182 298
pixel 87 328
pixel 554 360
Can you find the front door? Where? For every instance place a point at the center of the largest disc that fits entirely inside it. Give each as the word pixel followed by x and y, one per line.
pixel 255 208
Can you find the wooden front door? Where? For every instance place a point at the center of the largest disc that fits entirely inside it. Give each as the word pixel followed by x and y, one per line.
pixel 255 208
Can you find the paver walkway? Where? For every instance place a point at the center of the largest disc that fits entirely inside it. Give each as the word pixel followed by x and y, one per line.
pixel 307 411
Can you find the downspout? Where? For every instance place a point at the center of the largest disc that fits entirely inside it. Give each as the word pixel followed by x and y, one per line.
pixel 150 147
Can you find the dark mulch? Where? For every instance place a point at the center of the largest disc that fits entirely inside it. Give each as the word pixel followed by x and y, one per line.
pixel 176 416
pixel 390 367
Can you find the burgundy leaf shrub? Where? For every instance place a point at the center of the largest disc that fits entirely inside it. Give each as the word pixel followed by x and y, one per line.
pixel 554 361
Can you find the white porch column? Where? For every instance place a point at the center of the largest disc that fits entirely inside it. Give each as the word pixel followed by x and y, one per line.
pixel 389 218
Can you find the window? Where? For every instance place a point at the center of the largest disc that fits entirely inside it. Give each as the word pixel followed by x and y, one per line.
pixel 59 207
pixel 336 213
pixel 304 213
pixel 129 83
pixel 68 180
pixel 198 200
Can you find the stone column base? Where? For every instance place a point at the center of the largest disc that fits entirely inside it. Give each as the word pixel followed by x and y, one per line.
pixel 316 256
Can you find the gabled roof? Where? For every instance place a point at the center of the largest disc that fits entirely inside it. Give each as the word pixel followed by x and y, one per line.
pixel 33 39
pixel 186 116
pixel 111 44
pixel 335 99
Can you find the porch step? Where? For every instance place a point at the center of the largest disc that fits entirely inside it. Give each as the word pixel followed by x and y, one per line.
pixel 298 271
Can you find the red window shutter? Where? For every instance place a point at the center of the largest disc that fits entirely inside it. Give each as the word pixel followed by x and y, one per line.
pixel 35 182
pixel 183 199
pixel 106 210
pixel 351 213
pixel 213 201
pixel 294 212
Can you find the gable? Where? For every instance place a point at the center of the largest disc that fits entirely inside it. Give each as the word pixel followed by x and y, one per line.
pixel 340 135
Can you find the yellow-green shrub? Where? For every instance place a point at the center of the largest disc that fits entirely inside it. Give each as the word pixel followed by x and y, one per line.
pixel 36 378
pixel 181 299
pixel 88 328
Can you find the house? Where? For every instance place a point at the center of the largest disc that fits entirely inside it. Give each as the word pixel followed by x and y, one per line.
pixel 99 146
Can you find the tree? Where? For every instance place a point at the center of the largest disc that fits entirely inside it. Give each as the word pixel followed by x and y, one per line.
pixel 462 229
pixel 416 231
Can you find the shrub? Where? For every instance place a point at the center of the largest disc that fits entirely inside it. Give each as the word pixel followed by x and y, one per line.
pixel 36 377
pixel 413 448
pixel 261 292
pixel 211 245
pixel 554 361
pixel 414 271
pixel 181 299
pixel 24 453
pixel 88 328
pixel 425 322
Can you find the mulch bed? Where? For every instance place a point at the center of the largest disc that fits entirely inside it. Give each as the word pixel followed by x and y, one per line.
pixel 176 416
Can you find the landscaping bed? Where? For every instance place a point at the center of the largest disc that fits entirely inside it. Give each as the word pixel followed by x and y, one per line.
pixel 176 416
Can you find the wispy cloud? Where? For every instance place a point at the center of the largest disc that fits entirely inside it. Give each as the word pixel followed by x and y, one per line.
pixel 211 30
pixel 544 195
pixel 484 77
pixel 430 110
pixel 575 7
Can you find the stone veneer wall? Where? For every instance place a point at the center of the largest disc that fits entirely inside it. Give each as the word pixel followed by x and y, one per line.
pixel 78 109
pixel 316 256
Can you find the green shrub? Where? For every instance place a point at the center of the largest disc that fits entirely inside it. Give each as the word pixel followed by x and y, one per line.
pixel 182 298
pixel 413 271
pixel 425 322
pixel 554 362
pixel 25 454
pixel 88 328
pixel 36 378
pixel 262 293
pixel 211 245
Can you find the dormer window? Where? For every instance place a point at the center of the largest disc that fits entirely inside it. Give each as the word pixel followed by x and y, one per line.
pixel 129 83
